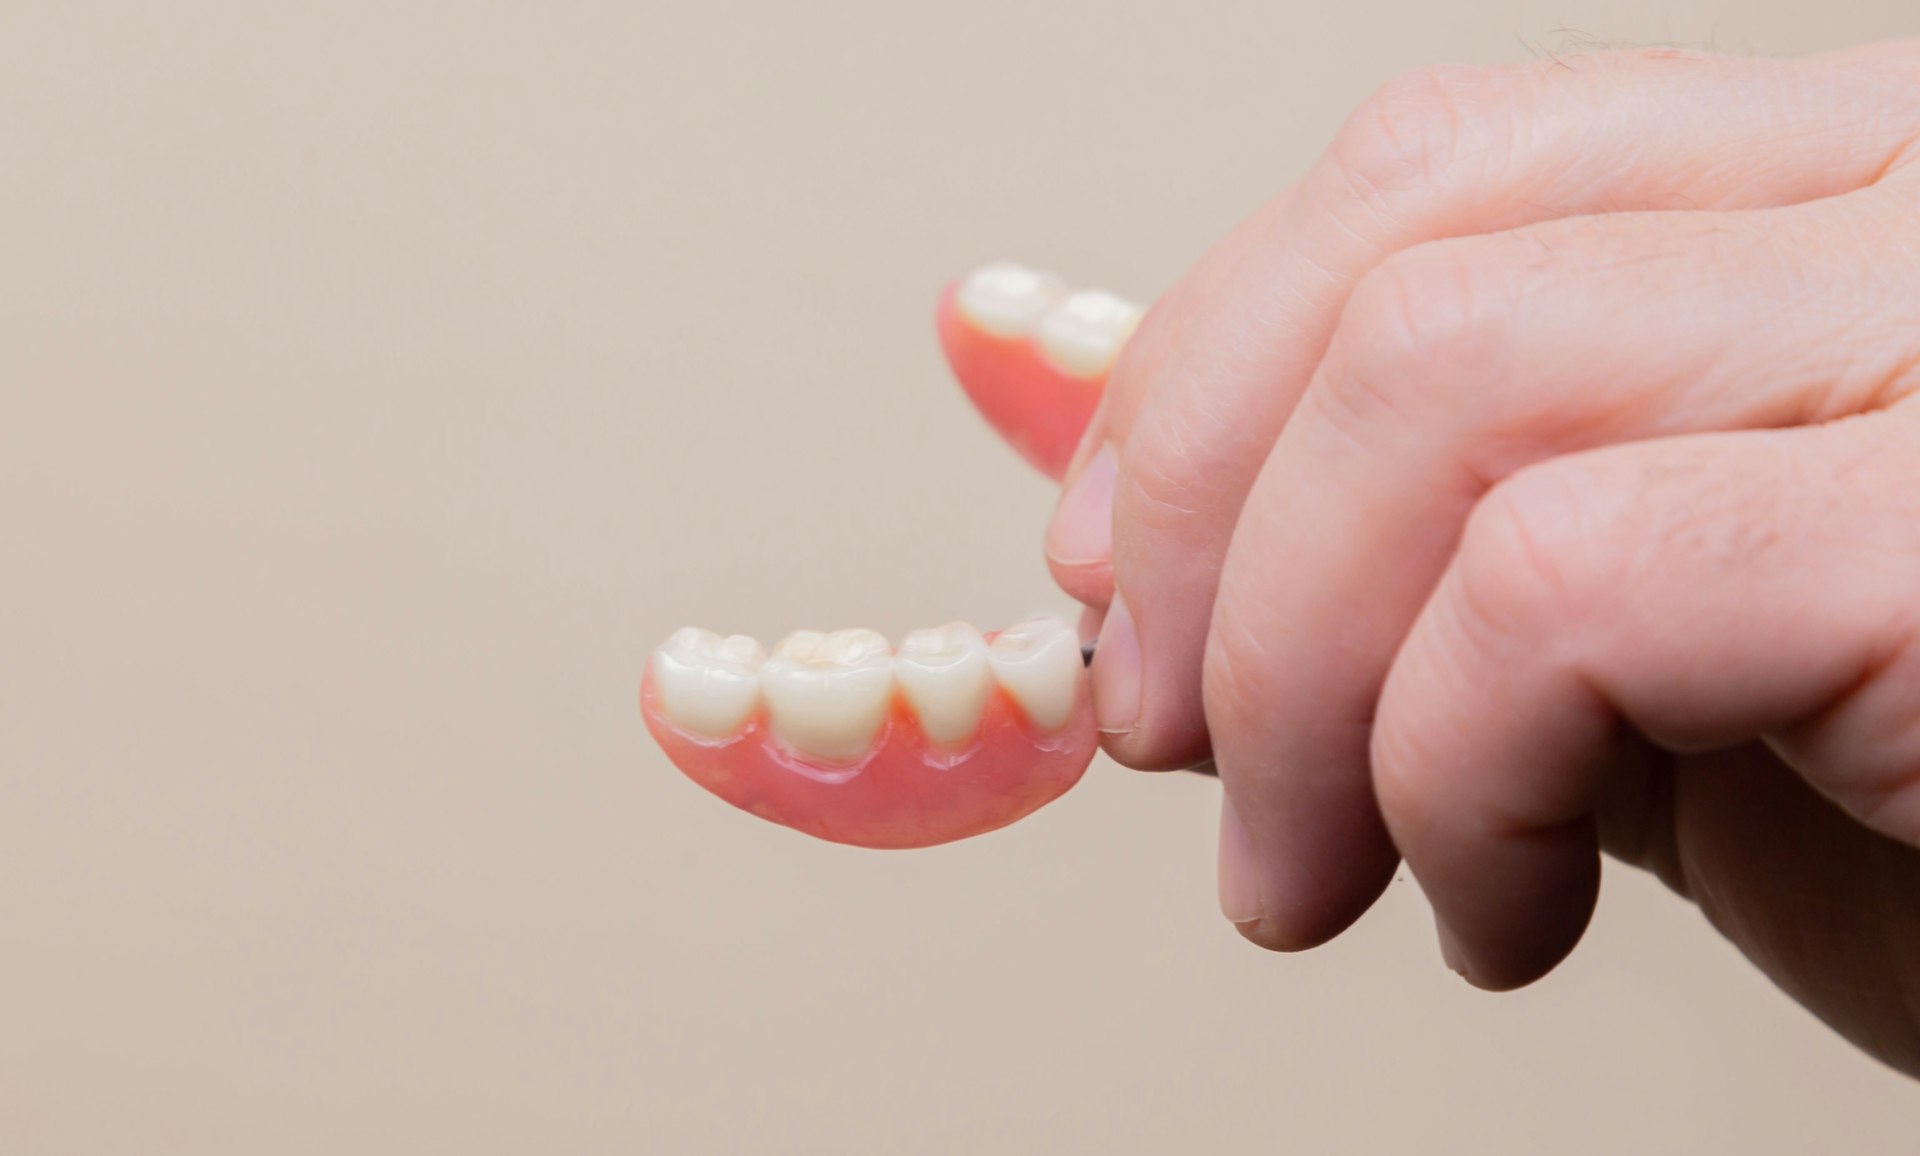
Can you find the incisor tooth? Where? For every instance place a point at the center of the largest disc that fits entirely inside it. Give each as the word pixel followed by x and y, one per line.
pixel 1008 300
pixel 708 684
pixel 1083 334
pixel 828 693
pixel 1039 663
pixel 945 675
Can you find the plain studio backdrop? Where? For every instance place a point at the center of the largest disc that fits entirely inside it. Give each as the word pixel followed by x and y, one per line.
pixel 380 382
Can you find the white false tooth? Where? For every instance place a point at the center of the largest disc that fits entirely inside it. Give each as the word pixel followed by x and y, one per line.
pixel 945 675
pixel 708 684
pixel 1039 663
pixel 1083 334
pixel 828 693
pixel 1008 300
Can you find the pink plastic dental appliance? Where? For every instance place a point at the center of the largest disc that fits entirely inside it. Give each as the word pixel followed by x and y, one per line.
pixel 953 733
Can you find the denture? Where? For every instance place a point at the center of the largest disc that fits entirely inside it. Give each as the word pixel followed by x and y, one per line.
pixel 836 735
pixel 1033 355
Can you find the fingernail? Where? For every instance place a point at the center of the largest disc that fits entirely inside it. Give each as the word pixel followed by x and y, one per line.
pixel 1450 953
pixel 1239 885
pixel 1082 529
pixel 1090 619
pixel 1116 672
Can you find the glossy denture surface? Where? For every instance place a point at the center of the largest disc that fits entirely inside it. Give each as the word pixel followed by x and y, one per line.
pixel 955 734
pixel 1033 355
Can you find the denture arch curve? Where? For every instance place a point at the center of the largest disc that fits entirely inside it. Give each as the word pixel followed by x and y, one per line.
pixel 834 734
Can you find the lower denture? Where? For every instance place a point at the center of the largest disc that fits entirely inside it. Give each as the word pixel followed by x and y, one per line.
pixel 905 790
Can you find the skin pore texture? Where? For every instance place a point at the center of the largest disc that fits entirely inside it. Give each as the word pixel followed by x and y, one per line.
pixel 1540 476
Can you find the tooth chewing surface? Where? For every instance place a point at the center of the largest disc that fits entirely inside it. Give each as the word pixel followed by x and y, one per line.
pixel 1083 334
pixel 945 676
pixel 708 684
pixel 828 693
pixel 1039 663
pixel 1008 300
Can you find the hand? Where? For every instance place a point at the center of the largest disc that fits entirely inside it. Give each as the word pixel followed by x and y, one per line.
pixel 1540 476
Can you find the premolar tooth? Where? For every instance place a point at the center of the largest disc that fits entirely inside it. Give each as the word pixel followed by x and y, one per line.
pixel 828 693
pixel 708 684
pixel 1008 300
pixel 1039 663
pixel 945 675
pixel 1082 335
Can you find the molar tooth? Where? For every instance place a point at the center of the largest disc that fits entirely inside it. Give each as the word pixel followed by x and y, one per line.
pixel 1008 300
pixel 708 684
pixel 1083 334
pixel 1039 663
pixel 945 675
pixel 828 693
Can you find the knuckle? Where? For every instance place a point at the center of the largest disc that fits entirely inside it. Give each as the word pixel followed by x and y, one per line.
pixel 1420 127
pixel 1167 479
pixel 1532 555
pixel 1188 455
pixel 1181 449
pixel 1418 330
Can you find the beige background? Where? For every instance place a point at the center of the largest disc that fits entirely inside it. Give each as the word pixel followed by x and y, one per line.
pixel 378 382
